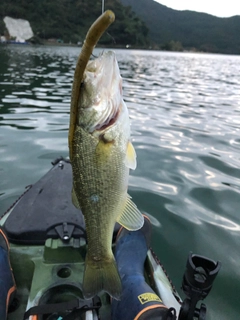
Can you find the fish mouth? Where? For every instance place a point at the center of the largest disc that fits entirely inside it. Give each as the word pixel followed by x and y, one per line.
pixel 102 91
pixel 104 73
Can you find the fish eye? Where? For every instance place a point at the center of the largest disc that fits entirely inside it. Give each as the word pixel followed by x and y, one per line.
pixel 82 85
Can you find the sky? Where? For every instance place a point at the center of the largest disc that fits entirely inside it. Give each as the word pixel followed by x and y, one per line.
pixel 222 8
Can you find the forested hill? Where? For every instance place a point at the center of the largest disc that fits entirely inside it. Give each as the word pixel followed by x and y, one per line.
pixel 140 23
pixel 69 20
pixel 193 30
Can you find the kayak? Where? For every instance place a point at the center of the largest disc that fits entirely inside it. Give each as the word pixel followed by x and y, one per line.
pixel 47 252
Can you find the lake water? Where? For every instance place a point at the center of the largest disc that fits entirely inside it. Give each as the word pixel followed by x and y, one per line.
pixel 185 115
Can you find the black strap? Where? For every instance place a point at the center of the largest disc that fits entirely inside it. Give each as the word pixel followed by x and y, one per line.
pixel 51 308
pixel 77 305
pixel 76 312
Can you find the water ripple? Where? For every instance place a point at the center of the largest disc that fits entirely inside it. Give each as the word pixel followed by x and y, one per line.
pixel 185 116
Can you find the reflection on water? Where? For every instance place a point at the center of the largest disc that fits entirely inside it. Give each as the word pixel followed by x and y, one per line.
pixel 185 114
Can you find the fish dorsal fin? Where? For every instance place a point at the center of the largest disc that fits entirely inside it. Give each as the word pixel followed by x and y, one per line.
pixel 131 161
pixel 131 218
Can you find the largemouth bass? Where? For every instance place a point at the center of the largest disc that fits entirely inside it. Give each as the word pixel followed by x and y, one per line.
pixel 102 155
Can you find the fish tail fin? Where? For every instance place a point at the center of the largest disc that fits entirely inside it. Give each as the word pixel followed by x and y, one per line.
pixel 100 276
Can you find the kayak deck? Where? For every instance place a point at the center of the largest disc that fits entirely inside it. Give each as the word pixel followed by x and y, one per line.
pixel 48 247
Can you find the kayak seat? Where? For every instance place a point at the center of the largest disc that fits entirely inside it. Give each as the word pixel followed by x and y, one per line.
pixel 46 210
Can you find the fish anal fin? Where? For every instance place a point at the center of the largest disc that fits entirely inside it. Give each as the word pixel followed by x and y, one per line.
pixel 101 276
pixel 131 161
pixel 130 218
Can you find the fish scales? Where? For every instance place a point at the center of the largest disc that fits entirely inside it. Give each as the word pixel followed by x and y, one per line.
pixel 101 157
pixel 99 183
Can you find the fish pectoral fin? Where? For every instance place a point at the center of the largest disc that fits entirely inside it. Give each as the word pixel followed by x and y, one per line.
pixel 103 151
pixel 131 161
pixel 131 218
pixel 74 199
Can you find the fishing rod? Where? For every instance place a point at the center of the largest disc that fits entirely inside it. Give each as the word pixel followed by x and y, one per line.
pixel 102 6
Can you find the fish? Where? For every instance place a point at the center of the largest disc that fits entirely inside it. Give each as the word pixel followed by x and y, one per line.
pixel 102 155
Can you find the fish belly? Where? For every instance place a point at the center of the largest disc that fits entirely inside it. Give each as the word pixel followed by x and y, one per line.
pixel 99 182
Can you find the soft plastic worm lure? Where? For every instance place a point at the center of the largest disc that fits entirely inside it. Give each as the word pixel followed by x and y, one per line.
pixel 94 34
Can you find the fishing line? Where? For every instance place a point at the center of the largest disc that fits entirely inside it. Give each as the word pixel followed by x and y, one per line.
pixel 103 8
pixel 113 39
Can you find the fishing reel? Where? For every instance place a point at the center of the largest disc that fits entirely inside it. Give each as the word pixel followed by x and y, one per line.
pixel 197 283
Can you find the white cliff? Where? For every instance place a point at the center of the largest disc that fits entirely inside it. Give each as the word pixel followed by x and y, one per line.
pixel 18 28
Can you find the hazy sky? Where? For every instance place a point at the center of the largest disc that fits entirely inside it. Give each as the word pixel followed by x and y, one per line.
pixel 222 8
